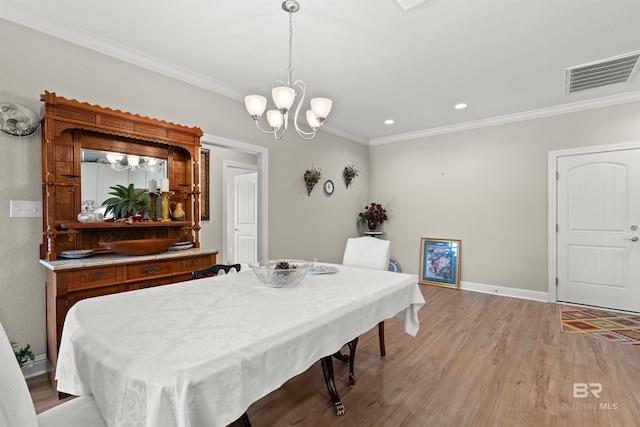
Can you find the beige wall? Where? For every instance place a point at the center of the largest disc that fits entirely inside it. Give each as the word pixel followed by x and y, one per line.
pixel 32 62
pixel 487 187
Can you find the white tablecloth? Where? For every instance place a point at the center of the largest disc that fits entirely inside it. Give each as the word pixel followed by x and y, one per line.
pixel 198 353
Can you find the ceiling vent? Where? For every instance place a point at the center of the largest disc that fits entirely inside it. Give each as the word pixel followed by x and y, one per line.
pixel 408 4
pixel 619 69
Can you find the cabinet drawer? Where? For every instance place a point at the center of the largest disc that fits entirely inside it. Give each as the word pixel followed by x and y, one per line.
pixel 93 277
pixel 149 283
pixel 195 263
pixel 149 269
pixel 73 297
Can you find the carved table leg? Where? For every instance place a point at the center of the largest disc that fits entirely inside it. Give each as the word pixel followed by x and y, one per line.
pixel 244 420
pixel 327 369
pixel 352 357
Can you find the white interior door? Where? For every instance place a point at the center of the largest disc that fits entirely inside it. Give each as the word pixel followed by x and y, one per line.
pixel 598 215
pixel 245 224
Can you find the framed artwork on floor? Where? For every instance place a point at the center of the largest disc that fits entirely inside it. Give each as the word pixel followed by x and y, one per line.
pixel 440 262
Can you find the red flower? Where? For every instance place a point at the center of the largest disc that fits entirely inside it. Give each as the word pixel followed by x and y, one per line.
pixel 374 212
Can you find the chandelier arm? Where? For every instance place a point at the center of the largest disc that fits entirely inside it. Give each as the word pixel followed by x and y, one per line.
pixel 270 132
pixel 306 135
pixel 262 130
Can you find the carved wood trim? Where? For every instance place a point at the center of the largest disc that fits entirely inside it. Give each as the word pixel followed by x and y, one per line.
pixel 70 125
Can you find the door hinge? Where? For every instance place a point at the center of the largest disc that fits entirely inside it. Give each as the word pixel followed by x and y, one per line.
pixel 557 228
pixel 556 281
pixel 557 175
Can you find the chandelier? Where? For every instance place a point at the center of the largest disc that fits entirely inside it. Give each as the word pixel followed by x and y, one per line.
pixel 284 94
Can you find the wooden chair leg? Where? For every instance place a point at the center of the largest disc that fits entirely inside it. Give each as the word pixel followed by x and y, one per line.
pixel 352 357
pixel 383 351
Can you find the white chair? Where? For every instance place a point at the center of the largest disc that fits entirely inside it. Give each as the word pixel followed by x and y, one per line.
pixel 367 252
pixel 16 406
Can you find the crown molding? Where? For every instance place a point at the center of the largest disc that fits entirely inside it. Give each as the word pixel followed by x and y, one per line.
pixel 20 16
pixel 511 118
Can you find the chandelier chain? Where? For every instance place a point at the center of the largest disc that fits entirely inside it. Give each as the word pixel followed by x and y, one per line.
pixel 290 82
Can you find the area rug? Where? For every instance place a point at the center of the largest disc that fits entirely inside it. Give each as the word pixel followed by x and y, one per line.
pixel 606 325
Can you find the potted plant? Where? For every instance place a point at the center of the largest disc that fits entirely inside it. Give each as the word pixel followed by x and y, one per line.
pixel 23 355
pixel 127 202
pixel 311 178
pixel 350 171
pixel 374 214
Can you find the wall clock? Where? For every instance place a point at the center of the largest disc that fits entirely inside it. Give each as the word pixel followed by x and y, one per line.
pixel 328 187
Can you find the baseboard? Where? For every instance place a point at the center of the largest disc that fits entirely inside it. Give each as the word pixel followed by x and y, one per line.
pixel 505 291
pixel 39 366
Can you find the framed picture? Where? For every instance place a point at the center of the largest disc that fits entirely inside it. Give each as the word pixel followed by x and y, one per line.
pixel 440 262
pixel 204 184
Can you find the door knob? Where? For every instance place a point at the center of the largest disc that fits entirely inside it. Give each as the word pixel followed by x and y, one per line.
pixel 633 239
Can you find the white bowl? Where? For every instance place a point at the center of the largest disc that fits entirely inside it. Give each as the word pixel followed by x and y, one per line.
pixel 271 276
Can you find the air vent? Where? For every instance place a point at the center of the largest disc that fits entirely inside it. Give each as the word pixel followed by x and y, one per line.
pixel 619 69
pixel 408 4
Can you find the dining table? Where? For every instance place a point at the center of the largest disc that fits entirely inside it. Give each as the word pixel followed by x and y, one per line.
pixel 200 352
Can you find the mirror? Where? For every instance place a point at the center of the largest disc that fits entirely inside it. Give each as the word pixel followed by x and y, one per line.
pixel 101 170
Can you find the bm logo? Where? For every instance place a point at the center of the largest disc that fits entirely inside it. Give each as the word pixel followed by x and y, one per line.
pixel 583 390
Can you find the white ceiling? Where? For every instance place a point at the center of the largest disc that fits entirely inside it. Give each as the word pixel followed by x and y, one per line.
pixel 505 59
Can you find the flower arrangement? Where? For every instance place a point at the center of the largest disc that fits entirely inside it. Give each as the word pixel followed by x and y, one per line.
pixel 374 214
pixel 350 171
pixel 311 178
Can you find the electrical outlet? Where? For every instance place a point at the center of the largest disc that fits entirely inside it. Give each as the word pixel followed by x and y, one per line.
pixel 25 209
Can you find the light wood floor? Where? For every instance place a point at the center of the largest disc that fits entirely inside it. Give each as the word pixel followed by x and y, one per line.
pixel 478 360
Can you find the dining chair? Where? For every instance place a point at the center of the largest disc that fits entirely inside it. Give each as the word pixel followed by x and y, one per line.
pixel 16 406
pixel 369 252
pixel 214 270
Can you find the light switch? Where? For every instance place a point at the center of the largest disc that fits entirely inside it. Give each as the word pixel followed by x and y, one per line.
pixel 25 209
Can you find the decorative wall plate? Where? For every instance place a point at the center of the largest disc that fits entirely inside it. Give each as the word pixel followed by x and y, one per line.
pixel 328 187
pixel 394 266
pixel 17 120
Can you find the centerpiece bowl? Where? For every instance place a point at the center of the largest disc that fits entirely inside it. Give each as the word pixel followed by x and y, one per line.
pixel 138 247
pixel 281 273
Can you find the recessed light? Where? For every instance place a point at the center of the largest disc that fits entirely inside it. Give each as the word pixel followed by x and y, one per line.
pixel 389 122
pixel 460 106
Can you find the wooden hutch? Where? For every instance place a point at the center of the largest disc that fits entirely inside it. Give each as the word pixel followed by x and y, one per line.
pixel 68 127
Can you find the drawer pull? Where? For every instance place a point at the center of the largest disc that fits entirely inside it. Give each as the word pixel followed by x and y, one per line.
pixel 98 276
pixel 150 270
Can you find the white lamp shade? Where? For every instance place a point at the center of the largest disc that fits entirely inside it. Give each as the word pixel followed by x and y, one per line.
pixel 321 107
pixel 255 104
pixel 114 158
pixel 311 119
pixel 283 97
pixel 275 119
pixel 133 161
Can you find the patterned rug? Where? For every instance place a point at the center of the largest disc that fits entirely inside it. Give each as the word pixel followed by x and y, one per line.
pixel 606 325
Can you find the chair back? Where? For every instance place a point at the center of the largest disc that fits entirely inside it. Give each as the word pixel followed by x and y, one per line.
pixel 16 406
pixel 368 252
pixel 214 270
